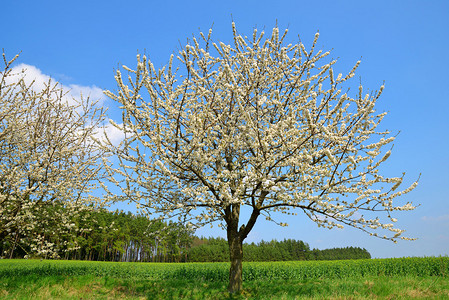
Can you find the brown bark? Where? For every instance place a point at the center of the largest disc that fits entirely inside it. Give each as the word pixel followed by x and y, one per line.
pixel 235 242
pixel 236 255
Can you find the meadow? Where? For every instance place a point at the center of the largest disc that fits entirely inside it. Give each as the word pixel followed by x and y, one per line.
pixel 345 279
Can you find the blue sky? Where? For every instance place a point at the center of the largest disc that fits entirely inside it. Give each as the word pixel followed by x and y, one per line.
pixel 404 43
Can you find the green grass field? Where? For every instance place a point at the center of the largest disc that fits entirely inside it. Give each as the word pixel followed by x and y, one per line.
pixel 403 278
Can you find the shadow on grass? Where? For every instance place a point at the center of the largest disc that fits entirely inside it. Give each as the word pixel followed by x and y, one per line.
pixel 92 287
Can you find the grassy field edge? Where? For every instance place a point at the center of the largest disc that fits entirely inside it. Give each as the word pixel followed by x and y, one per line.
pixel 397 278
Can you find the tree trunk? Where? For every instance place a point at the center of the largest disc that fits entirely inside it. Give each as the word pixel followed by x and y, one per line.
pixel 236 255
pixel 235 241
pixel 14 245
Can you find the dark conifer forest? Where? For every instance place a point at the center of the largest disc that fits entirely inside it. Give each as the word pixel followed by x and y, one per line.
pixel 104 235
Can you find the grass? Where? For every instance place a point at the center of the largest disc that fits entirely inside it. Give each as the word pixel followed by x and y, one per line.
pixel 93 287
pixel 425 278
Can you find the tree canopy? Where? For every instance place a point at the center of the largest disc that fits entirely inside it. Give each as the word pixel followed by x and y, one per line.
pixel 47 154
pixel 259 123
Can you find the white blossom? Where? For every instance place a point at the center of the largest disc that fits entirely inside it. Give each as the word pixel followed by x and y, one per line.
pixel 255 124
pixel 48 155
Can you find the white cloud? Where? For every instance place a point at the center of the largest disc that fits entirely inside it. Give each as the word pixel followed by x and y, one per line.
pixel 93 92
pixel 114 134
pixel 30 73
pixel 74 91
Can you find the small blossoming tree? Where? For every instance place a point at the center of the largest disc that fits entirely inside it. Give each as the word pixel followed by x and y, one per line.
pixel 47 158
pixel 259 124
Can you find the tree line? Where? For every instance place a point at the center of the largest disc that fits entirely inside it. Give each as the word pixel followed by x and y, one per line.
pixel 98 234
pixel 217 249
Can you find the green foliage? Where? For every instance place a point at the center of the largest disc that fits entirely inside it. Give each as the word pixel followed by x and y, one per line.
pixel 339 253
pixel 375 278
pixel 92 287
pixel 217 249
pixel 100 234
pixel 291 270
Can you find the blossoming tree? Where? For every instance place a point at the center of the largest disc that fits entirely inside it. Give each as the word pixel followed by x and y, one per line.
pixel 259 124
pixel 47 157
